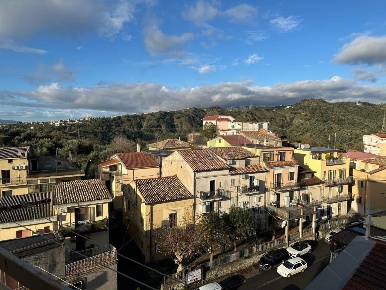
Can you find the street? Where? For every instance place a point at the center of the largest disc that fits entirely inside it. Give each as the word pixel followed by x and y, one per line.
pixel 317 260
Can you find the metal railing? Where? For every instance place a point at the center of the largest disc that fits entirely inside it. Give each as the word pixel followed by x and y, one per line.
pixel 14 181
pixel 248 190
pixel 217 194
pixel 284 185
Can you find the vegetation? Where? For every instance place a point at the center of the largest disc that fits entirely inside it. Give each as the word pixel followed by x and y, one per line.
pixel 309 121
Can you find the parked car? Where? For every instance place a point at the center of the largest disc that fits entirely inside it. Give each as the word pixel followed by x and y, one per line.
pixel 227 284
pixel 292 267
pixel 273 258
pixel 330 234
pixel 299 249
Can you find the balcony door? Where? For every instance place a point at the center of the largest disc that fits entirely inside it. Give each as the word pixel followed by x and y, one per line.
pixel 212 187
pixel 278 180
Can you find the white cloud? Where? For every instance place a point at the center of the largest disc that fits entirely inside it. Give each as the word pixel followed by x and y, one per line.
pixel 253 58
pixel 287 24
pixel 157 42
pixel 255 36
pixel 201 12
pixel 45 73
pixel 12 45
pixel 241 13
pixel 363 49
pixel 206 69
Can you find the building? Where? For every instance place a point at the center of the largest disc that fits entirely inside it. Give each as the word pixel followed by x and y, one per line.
pixel 122 168
pixel 169 145
pixel 263 137
pixel 154 203
pixel 229 141
pixel 375 144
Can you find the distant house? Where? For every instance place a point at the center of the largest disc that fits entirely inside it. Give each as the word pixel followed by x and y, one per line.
pixel 229 141
pixel 153 203
pixel 122 168
pixel 169 144
pixel 262 137
pixel 375 144
pixel 26 215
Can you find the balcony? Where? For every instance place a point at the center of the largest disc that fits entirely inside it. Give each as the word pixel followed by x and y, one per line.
pixel 334 199
pixel 292 212
pixel 282 185
pixel 244 189
pixel 334 161
pixel 338 181
pixel 271 163
pixel 12 182
pixel 214 195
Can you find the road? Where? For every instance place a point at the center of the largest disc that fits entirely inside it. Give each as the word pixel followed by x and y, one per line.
pixel 317 260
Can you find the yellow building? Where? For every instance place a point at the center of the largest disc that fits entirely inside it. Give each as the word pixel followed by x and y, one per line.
pixel 369 189
pixel 333 169
pixel 228 141
pixel 26 215
pixel 152 204
pixel 123 168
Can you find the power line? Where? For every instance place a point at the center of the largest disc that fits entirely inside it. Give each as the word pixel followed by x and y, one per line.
pixel 64 281
pixel 104 266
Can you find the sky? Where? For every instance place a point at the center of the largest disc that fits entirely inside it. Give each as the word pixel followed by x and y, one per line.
pixel 72 59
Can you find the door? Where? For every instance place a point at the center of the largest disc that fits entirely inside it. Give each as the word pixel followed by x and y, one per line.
pixel 278 177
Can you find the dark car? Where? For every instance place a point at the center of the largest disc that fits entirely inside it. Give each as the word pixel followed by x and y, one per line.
pixel 232 282
pixel 273 258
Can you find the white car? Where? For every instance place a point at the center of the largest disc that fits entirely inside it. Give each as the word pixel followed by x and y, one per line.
pixel 291 267
pixel 330 234
pixel 299 249
pixel 210 286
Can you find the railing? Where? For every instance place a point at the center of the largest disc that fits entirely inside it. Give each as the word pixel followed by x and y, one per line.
pixel 217 194
pixel 282 185
pixel 338 181
pixel 291 212
pixel 333 199
pixel 10 181
pixel 272 163
pixel 331 162
pixel 248 190
pixel 74 256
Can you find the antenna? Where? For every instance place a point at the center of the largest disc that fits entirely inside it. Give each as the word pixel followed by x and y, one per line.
pixel 384 123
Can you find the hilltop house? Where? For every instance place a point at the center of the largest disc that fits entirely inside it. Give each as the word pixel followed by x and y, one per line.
pixel 375 144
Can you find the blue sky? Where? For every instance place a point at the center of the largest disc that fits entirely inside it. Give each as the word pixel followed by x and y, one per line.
pixel 70 59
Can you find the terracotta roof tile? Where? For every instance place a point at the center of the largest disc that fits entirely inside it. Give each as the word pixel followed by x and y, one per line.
pixel 80 191
pixel 109 162
pixel 310 181
pixel 248 169
pixel 376 161
pixel 344 237
pixel 232 153
pixel 261 135
pixel 218 117
pixel 358 155
pixel 237 140
pixel 272 164
pixel 25 207
pixel 133 160
pixel 13 152
pixel 371 273
pixel 203 160
pixel 162 189
pixel 380 135
pixel 170 144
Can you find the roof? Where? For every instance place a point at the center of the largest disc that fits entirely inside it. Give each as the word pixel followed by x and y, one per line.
pixel 218 117
pixel 236 140
pixel 29 246
pixel 135 160
pixel 272 164
pixel 112 161
pixel 13 152
pixel 371 273
pixel 380 135
pixel 162 189
pixel 320 150
pixel 261 135
pixel 344 237
pixel 377 161
pixel 24 207
pixel 314 180
pixel 203 160
pixel 232 153
pixel 358 155
pixel 80 191
pixel 170 144
pixel 54 164
pixel 255 168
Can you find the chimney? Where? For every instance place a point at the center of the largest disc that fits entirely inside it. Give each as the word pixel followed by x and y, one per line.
pixel 368 225
pixel 138 148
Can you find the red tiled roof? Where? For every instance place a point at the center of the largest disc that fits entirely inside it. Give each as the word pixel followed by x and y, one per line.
pixel 134 160
pixel 80 191
pixel 13 152
pixel 162 189
pixel 380 135
pixel 232 153
pixel 311 181
pixel 376 161
pixel 261 135
pixel 210 118
pixel 344 237
pixel 248 169
pixel 236 140
pixel 358 155
pixel 203 160
pixel 170 144
pixel 217 117
pixel 25 207
pixel 109 162
pixel 371 273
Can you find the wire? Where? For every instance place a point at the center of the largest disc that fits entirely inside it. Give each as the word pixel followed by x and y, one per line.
pixel 64 281
pixel 104 266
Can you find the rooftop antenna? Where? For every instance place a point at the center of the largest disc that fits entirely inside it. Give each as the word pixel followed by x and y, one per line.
pixel 384 123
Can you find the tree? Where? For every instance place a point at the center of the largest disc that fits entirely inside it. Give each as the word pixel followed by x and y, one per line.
pixel 242 224
pixel 209 130
pixel 121 144
pixel 183 243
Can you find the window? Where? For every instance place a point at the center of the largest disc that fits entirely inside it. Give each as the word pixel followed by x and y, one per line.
pixel 342 173
pixel 267 156
pixel 291 176
pixel 173 220
pixel 99 210
pixel 233 182
pixel 281 156
pixel 362 184
pixel 219 140
pixel 5 176
pixel 5 193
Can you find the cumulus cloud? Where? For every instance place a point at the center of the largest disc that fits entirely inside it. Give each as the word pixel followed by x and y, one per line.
pixel 147 97
pixel 206 68
pixel 364 49
pixel 45 73
pixel 286 24
pixel 157 42
pixel 201 12
pixel 253 58
pixel 241 13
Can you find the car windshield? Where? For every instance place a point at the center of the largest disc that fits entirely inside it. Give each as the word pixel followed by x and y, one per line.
pixel 288 264
pixel 298 246
pixel 268 257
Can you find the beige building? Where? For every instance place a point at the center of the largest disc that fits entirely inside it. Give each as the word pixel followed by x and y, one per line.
pixel 154 203
pixel 369 188
pixel 375 144
pixel 123 168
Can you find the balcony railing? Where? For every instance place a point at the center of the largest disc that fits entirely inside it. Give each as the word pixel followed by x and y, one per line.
pixel 248 190
pixel 291 212
pixel 338 198
pixel 284 185
pixel 217 194
pixel 271 163
pixel 332 162
pixel 338 181
pixel 14 181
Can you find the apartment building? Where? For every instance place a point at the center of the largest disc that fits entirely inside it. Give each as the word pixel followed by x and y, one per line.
pixel 375 144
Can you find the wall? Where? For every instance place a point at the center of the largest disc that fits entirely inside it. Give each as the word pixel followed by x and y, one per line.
pixel 18 177
pixel 8 230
